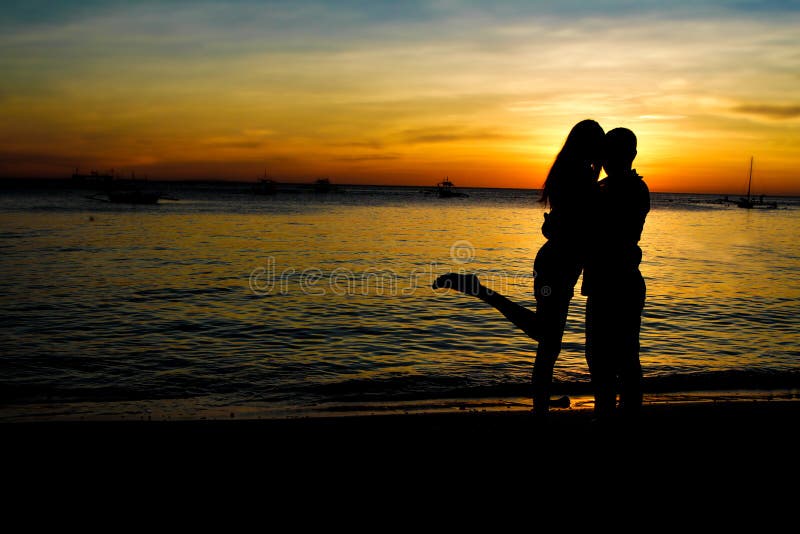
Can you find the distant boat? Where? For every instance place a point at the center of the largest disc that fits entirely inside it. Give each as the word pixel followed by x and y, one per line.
pixel 121 191
pixel 265 186
pixel 94 177
pixel 446 189
pixel 323 185
pixel 750 202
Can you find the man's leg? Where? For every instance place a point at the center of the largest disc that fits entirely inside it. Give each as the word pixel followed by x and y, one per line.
pixel 599 334
pixel 630 368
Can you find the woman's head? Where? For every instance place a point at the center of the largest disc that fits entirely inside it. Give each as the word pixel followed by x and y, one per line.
pixel 578 161
pixel 584 142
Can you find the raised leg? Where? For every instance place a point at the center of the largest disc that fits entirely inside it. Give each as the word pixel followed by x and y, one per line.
pixel 521 317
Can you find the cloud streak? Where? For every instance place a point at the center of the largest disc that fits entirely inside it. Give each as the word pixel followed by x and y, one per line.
pixel 451 134
pixel 412 87
pixel 770 111
pixel 357 158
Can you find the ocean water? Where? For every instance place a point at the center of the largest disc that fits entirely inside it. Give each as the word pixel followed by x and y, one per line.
pixel 225 303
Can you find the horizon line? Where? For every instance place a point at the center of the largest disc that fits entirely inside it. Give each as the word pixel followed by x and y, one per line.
pixel 344 184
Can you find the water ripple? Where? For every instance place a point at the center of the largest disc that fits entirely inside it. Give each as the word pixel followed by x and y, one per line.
pixel 156 304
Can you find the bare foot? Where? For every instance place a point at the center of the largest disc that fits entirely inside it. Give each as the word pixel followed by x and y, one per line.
pixel 466 283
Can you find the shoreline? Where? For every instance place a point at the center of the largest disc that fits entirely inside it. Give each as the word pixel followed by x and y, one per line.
pixel 653 413
pixel 199 409
pixel 701 417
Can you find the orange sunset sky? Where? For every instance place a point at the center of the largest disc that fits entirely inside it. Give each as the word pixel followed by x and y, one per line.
pixel 400 92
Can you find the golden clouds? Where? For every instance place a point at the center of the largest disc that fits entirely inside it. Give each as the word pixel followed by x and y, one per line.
pixel 380 97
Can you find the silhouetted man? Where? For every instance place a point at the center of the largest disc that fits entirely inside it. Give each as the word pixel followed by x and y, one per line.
pixel 612 281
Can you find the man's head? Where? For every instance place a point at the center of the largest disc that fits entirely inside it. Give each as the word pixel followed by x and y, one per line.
pixel 620 145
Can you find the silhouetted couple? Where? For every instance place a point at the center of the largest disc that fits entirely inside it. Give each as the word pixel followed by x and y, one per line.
pixel 593 227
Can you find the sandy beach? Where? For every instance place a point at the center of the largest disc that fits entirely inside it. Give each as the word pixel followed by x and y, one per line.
pixel 676 460
pixel 747 432
pixel 675 463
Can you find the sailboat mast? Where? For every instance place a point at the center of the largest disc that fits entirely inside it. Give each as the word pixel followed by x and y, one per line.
pixel 750 180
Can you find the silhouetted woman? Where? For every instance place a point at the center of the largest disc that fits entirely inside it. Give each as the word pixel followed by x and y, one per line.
pixel 568 191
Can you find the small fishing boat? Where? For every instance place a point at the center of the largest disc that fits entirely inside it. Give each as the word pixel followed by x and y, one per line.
pixel 446 189
pixel 131 191
pixel 93 175
pixel 323 185
pixel 265 186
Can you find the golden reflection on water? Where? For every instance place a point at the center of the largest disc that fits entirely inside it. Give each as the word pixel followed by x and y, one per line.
pixel 162 299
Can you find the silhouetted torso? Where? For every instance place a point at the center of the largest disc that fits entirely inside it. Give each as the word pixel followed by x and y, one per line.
pixel 565 226
pixel 560 260
pixel 620 208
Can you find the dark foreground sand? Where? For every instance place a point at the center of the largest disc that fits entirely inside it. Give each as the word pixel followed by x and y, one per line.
pixel 680 463
pixel 747 432
pixel 679 460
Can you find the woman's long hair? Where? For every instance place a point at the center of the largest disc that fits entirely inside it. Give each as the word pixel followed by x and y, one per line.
pixel 581 151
